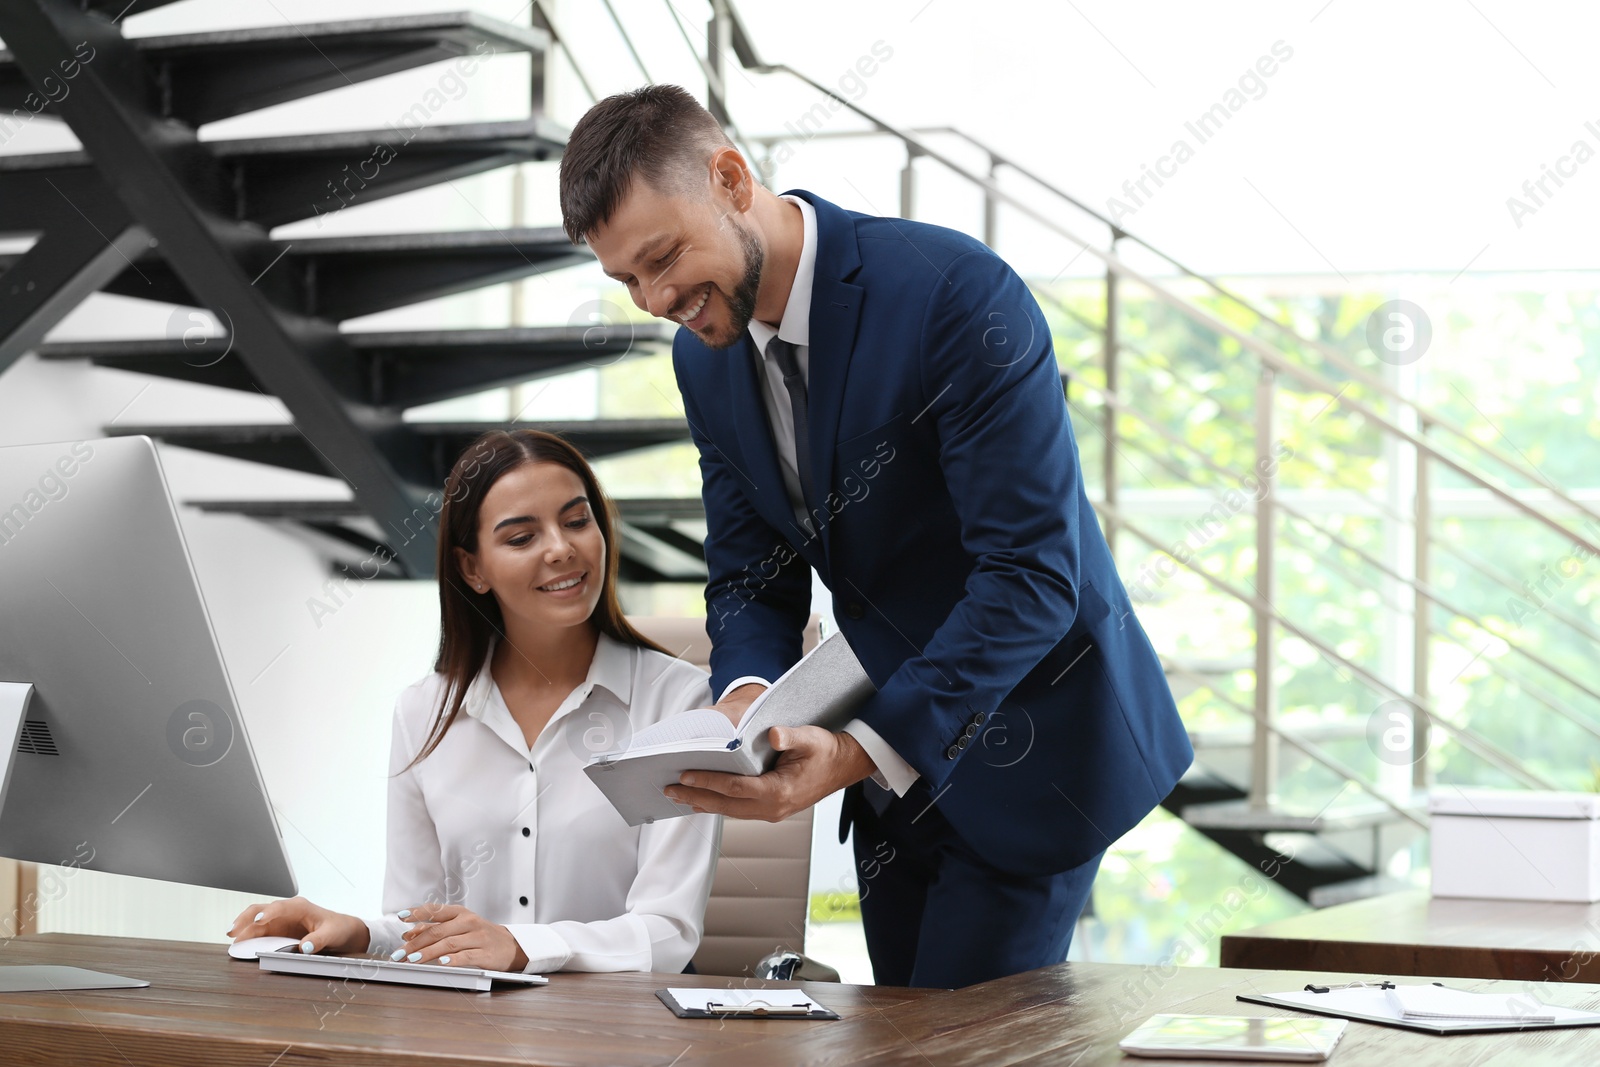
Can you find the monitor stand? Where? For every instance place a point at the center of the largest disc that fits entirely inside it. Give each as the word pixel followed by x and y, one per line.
pixel 14 697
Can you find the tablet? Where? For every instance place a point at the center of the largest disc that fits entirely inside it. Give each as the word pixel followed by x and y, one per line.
pixel 1235 1037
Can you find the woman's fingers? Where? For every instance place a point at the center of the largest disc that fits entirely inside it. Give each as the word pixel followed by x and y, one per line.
pixel 323 935
pixel 280 918
pixel 247 919
pixel 433 913
pixel 421 942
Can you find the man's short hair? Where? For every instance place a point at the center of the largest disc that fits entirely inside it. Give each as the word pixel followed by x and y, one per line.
pixel 659 133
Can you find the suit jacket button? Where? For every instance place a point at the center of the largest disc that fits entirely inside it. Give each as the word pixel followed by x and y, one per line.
pixel 952 752
pixel 970 731
pixel 854 610
pixel 981 717
pixel 961 742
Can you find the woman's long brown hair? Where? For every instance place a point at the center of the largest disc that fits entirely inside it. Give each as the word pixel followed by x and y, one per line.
pixel 469 620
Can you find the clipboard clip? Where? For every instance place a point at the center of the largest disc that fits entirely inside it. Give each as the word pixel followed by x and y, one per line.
pixel 1349 985
pixel 758 1007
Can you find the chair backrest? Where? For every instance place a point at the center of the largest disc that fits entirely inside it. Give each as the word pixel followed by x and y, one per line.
pixel 761 892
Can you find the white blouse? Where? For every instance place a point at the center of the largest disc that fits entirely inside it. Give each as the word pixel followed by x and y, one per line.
pixel 522 836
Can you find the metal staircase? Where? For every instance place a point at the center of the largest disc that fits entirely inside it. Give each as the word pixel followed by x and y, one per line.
pixel 148 209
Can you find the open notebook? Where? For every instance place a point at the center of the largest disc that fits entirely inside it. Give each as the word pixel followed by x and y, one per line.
pixel 824 689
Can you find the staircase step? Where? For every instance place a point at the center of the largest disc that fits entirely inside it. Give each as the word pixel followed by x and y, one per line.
pixel 661 511
pixel 659 558
pixel 1217 738
pixel 204 77
pixel 1199 787
pixel 292 510
pixel 120 9
pixel 1349 813
pixel 272 181
pixel 397 369
pixel 644 513
pixel 650 553
pixel 1372 885
pixel 345 277
pixel 282 444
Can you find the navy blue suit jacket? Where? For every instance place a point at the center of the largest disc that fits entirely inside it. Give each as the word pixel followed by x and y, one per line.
pixel 967 568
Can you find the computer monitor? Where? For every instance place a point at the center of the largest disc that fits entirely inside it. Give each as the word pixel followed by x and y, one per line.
pixel 123 746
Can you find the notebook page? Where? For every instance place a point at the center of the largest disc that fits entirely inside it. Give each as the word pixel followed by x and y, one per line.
pixel 1437 1002
pixel 701 724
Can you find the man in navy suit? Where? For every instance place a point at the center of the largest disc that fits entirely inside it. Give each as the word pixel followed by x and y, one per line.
pixel 878 399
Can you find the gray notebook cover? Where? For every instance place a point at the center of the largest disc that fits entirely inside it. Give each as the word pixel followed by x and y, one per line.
pixel 824 689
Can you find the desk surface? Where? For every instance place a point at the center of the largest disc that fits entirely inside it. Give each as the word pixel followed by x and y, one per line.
pixel 204 1008
pixel 1413 933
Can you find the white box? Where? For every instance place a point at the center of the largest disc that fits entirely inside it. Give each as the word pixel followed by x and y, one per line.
pixel 1515 845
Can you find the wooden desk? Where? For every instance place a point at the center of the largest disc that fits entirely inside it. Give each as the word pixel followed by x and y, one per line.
pixel 204 1008
pixel 1413 933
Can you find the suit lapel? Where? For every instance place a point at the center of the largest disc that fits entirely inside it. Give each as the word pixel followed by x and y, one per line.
pixel 835 312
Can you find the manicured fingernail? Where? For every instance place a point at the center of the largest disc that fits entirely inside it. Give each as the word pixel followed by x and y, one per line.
pixel 305 946
pixel 260 916
pixel 397 955
pixel 414 957
pixel 690 780
pixel 444 959
pixel 403 912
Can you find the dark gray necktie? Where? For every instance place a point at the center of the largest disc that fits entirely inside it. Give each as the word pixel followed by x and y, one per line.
pixel 789 364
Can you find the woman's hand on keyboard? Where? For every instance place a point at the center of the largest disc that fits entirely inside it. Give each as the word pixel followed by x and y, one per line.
pixel 316 928
pixel 452 935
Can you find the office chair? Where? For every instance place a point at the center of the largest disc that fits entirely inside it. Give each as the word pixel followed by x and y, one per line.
pixel 756 918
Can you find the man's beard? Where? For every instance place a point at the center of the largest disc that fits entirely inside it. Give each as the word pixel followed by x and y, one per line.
pixel 742 301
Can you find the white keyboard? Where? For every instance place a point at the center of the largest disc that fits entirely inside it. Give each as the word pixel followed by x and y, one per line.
pixel 364 969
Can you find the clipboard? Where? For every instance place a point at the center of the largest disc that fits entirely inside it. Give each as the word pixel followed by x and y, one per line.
pixel 783 1004
pixel 1366 1002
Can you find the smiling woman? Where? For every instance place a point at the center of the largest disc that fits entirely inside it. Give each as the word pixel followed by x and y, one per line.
pixel 501 853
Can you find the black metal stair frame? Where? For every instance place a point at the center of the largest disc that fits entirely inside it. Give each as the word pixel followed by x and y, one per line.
pixel 147 209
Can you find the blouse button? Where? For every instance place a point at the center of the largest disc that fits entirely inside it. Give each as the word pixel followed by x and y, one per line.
pixel 526 832
pixel 523 901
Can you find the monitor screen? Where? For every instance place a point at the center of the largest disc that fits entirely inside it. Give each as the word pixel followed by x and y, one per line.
pixel 130 755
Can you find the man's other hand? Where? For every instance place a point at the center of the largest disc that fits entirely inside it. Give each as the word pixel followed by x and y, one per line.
pixel 812 763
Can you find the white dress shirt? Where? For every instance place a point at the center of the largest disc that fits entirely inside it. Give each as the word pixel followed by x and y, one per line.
pixel 522 836
pixel 893 772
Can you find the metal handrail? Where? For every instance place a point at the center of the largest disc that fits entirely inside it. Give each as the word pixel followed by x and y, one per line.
pixel 1268 355
pixel 1537 692
pixel 1333 355
pixel 1483 749
pixel 1347 773
pixel 1306 747
pixel 715 88
pixel 542 14
pixel 1385 510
